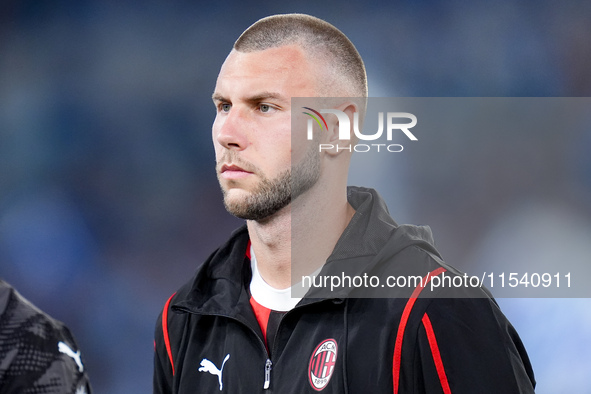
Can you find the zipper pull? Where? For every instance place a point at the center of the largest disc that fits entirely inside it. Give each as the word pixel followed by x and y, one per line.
pixel 268 365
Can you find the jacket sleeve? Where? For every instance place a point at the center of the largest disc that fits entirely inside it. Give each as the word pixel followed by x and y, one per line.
pixel 468 346
pixel 163 369
pixel 37 353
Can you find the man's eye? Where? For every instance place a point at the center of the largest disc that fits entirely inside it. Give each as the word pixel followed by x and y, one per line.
pixel 225 107
pixel 264 108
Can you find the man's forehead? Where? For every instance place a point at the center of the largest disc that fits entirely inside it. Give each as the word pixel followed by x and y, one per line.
pixel 281 70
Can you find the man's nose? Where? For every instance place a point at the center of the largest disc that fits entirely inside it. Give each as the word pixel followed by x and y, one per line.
pixel 229 130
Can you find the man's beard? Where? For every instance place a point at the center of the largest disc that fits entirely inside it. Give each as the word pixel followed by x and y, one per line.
pixel 272 195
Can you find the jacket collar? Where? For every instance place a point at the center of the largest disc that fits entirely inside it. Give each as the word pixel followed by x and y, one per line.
pixel 220 283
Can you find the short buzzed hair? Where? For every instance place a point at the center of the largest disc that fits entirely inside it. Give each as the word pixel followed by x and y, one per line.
pixel 320 40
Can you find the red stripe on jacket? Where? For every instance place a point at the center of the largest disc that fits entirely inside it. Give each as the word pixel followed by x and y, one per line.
pixel 402 326
pixel 165 332
pixel 436 355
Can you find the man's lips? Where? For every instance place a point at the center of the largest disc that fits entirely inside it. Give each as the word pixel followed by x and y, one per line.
pixel 232 171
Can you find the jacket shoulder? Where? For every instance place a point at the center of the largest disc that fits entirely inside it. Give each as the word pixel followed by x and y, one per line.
pixel 37 348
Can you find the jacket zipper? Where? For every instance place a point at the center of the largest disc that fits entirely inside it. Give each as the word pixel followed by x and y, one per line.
pixel 268 362
pixel 268 366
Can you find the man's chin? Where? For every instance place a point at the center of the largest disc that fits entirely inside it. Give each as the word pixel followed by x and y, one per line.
pixel 241 210
pixel 236 202
pixel 245 205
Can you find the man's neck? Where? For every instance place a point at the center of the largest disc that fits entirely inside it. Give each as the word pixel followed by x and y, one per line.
pixel 271 240
pixel 298 239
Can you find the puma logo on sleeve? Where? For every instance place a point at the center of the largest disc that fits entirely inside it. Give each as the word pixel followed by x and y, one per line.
pixel 65 349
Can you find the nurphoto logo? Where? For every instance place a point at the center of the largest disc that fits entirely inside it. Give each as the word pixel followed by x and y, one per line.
pixel 392 125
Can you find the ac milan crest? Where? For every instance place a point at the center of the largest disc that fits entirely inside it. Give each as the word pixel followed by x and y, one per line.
pixel 322 364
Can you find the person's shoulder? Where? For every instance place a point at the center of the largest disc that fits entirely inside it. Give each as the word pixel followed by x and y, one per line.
pixel 17 309
pixel 32 340
pixel 417 270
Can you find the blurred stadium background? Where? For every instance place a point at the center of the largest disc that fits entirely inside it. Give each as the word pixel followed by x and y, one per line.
pixel 108 196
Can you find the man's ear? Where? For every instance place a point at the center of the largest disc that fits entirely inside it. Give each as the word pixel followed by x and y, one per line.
pixel 334 139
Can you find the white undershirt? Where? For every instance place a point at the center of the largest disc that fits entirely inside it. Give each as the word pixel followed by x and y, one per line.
pixel 275 299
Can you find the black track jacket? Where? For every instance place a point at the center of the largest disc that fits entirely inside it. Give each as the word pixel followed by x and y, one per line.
pixel 412 340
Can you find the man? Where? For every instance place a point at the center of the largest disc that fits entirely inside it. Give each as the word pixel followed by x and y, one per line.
pixel 235 327
pixel 38 354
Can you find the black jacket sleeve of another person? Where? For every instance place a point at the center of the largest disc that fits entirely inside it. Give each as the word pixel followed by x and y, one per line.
pixel 38 354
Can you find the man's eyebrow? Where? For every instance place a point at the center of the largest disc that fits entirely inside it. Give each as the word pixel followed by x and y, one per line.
pixel 254 98
pixel 218 97
pixel 265 96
